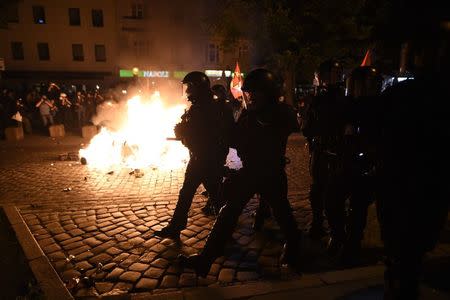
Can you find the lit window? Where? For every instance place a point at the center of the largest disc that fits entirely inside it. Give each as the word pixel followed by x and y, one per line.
pixel 39 14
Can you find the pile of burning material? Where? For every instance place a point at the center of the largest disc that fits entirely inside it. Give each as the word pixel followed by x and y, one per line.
pixel 134 135
pixel 69 156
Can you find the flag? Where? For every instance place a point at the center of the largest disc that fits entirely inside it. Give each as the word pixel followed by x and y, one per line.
pixel 367 61
pixel 236 82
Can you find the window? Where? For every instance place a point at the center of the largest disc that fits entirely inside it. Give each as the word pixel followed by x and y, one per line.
pixel 243 51
pixel 12 13
pixel 97 18
pixel 213 53
pixel 77 52
pixel 100 53
pixel 137 10
pixel 39 14
pixel 74 17
pixel 17 50
pixel 141 48
pixel 43 52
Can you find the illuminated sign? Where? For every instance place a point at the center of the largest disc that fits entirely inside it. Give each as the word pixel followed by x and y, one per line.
pixel 179 74
pixel 125 73
pixel 163 74
pixel 218 73
pixel 213 73
pixel 143 73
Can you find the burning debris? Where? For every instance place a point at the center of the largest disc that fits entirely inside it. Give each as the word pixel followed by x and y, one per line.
pixel 137 173
pixel 134 135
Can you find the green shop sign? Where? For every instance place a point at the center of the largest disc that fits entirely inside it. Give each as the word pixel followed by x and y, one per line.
pixel 144 73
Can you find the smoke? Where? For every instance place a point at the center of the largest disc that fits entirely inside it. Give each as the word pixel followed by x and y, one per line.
pixel 114 114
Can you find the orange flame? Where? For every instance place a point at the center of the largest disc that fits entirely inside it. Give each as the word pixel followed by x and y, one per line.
pixel 141 139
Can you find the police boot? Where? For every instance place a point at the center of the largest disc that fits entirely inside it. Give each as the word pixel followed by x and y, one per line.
pixel 292 257
pixel 170 231
pixel 198 262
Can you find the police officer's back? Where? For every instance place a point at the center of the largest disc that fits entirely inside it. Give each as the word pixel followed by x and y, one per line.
pixel 260 139
pixel 201 132
pixel 413 190
pixel 323 127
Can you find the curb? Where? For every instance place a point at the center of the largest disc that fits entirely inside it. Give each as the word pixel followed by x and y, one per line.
pixel 46 276
pixel 244 291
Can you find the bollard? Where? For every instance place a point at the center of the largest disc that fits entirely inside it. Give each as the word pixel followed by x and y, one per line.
pixel 14 133
pixel 57 131
pixel 89 131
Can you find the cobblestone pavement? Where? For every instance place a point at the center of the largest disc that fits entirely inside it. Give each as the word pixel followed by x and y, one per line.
pixel 98 234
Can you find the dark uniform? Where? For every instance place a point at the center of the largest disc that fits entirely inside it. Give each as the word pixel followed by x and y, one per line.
pixel 260 139
pixel 201 132
pixel 413 192
pixel 355 178
pixel 225 127
pixel 323 127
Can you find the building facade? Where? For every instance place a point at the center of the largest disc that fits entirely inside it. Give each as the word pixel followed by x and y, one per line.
pixel 167 39
pixel 113 41
pixel 60 40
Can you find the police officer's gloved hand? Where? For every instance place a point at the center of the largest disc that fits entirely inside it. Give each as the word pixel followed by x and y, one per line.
pixel 227 171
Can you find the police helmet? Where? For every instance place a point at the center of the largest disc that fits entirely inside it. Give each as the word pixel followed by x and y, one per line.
pixel 219 91
pixel 197 84
pixel 261 80
pixel 197 79
pixel 330 72
pixel 364 81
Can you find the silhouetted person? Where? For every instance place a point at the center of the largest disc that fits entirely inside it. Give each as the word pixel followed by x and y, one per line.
pixel 323 127
pixel 413 190
pixel 355 180
pixel 260 139
pixel 201 132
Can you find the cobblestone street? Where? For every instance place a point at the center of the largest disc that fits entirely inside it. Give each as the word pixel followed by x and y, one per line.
pixel 96 227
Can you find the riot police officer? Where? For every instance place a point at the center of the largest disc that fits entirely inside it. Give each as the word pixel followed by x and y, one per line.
pixel 413 161
pixel 323 127
pixel 226 124
pixel 355 179
pixel 260 138
pixel 201 132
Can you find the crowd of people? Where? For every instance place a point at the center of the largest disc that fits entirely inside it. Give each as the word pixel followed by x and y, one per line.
pixel 47 105
pixel 363 146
